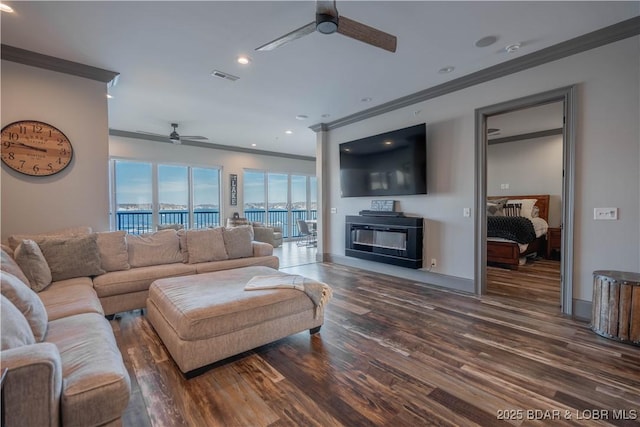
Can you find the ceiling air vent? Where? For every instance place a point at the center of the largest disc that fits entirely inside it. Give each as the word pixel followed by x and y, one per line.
pixel 223 75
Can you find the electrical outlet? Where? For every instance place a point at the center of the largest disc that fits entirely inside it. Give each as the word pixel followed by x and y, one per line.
pixel 466 212
pixel 433 262
pixel 334 210
pixel 605 213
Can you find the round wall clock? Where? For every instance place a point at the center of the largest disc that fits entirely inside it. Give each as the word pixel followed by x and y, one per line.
pixel 35 148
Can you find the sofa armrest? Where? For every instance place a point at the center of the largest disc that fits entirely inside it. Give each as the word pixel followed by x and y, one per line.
pixel 262 249
pixel 263 234
pixel 33 385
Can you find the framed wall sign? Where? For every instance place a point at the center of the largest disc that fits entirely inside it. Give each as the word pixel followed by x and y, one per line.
pixel 383 205
pixel 233 180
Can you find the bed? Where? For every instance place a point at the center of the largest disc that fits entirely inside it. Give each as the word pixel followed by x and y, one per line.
pixel 506 252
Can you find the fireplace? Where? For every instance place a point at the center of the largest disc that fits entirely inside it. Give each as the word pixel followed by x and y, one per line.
pixel 393 240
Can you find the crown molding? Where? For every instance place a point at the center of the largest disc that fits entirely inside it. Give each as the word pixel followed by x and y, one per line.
pixel 159 138
pixel 34 59
pixel 613 33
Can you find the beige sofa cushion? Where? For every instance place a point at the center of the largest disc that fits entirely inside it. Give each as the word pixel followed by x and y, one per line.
pixel 33 264
pixel 112 246
pixel 96 384
pixel 70 297
pixel 206 245
pixel 25 300
pixel 15 328
pixel 237 242
pixel 9 264
pixel 138 279
pixel 69 257
pixel 161 247
pixel 15 240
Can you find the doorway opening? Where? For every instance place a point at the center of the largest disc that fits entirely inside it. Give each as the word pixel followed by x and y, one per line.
pixel 497 188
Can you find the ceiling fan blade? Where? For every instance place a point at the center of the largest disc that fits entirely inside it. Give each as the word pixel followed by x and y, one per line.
pixel 293 35
pixel 194 137
pixel 364 33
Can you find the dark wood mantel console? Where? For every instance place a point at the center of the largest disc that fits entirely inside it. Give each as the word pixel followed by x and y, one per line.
pixel 393 240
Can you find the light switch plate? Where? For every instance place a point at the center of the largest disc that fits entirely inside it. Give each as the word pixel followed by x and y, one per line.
pixel 334 210
pixel 605 213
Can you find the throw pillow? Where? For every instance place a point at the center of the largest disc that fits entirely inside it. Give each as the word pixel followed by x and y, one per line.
pixel 28 302
pixel 161 247
pixel 70 257
pixel 15 240
pixel 8 264
pixel 15 328
pixel 112 247
pixel 33 264
pixel 206 245
pixel 237 242
pixel 495 207
pixel 526 206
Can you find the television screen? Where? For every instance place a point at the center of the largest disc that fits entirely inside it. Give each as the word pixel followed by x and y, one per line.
pixel 390 164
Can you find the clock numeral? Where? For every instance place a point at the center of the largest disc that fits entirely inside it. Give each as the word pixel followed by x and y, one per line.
pixel 22 162
pixel 49 167
pixel 36 168
pixel 22 129
pixel 50 133
pixel 14 136
pixel 6 144
pixel 37 128
pixel 60 142
pixel 12 156
pixel 59 160
pixel 63 152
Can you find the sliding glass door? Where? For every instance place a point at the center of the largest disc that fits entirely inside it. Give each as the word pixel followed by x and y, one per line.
pixel 279 198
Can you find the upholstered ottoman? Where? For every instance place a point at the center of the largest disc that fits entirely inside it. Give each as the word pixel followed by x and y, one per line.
pixel 208 317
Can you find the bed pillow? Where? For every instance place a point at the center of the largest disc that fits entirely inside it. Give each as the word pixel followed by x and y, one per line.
pixel 33 264
pixel 495 207
pixel 526 208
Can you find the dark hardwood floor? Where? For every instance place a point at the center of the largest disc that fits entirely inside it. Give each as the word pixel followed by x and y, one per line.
pixel 396 353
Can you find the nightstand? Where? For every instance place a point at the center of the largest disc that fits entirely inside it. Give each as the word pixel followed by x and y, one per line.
pixel 554 240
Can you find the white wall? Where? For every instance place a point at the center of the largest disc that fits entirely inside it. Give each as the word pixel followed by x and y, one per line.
pixel 79 194
pixel 607 162
pixel 231 162
pixel 532 166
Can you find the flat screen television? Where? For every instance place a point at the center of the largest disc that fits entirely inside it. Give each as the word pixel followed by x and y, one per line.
pixel 390 164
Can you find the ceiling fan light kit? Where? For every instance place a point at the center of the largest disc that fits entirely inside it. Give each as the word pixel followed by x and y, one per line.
pixel 326 24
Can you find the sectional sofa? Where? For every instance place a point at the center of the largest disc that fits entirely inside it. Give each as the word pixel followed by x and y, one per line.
pixel 64 367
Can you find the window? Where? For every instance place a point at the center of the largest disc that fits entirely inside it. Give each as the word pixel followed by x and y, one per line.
pixel 148 194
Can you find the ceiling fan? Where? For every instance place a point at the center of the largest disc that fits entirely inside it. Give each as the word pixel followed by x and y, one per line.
pixel 175 138
pixel 328 21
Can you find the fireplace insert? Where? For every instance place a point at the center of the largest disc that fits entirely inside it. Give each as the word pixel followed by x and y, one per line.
pixel 391 240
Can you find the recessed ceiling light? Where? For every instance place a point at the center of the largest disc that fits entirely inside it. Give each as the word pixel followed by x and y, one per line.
pixel 388 142
pixel 302 117
pixel 366 99
pixel 324 116
pixel 446 70
pixel 6 8
pixel 243 59
pixel 512 47
pixel 254 145
pixel 486 41
pixel 288 132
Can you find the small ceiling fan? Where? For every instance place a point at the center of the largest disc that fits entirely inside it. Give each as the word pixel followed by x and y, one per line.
pixel 328 21
pixel 175 138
